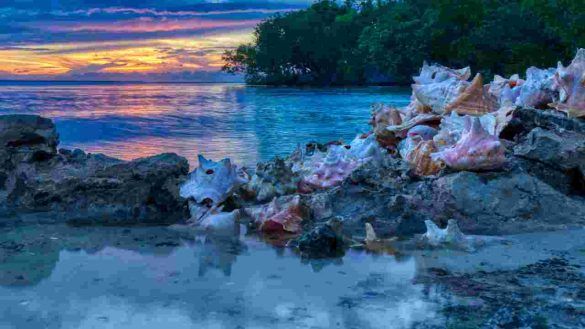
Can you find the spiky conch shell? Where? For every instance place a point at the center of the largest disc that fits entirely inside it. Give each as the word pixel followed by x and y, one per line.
pixel 437 73
pixel 476 150
pixel 421 161
pixel 439 95
pixel 474 100
pixel 213 181
pixel 570 83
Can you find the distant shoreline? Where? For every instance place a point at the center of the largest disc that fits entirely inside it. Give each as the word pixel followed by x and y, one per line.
pixel 106 82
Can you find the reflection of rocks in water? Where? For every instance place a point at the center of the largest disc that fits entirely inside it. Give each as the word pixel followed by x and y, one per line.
pixel 28 254
pixel 219 252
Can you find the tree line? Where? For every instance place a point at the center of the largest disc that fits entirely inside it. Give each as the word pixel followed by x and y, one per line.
pixel 385 42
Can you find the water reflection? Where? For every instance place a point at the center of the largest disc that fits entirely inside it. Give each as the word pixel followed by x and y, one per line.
pixel 146 277
pixel 246 123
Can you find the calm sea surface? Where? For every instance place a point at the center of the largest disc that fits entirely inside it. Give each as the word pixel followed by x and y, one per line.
pixel 54 276
pixel 248 124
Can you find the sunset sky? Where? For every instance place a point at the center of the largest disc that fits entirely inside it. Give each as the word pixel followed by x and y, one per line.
pixel 151 40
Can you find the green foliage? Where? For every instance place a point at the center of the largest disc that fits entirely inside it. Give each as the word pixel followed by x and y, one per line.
pixel 386 41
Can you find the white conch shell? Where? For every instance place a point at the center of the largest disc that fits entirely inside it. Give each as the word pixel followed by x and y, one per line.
pixel 212 182
pixel 439 95
pixel 438 73
pixel 537 90
pixel 451 235
pixel 367 149
pixel 570 83
pixel 213 217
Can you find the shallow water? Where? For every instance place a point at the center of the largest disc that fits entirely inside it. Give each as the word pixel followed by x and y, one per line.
pixel 61 277
pixel 248 124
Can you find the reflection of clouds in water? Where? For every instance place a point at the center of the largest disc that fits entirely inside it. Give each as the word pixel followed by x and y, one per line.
pixel 245 123
pixel 266 288
pixel 240 150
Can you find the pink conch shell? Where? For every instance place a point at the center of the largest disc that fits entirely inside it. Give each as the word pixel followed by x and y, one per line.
pixel 420 158
pixel 382 117
pixel 332 171
pixel 438 73
pixel 453 126
pixel 475 100
pixel 439 95
pixel 570 83
pixel 537 91
pixel 476 150
pixel 278 216
pixel 213 182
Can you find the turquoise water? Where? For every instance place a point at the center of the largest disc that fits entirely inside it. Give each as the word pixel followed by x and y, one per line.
pixel 248 124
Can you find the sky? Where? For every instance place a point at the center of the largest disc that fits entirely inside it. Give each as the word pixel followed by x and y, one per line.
pixel 126 40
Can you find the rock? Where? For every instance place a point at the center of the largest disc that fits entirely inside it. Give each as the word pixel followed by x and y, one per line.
pixel 501 203
pixel 84 188
pixel 26 138
pixel 324 240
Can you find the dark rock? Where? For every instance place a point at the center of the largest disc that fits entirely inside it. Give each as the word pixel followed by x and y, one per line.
pixel 324 240
pixel 84 188
pixel 557 157
pixel 500 203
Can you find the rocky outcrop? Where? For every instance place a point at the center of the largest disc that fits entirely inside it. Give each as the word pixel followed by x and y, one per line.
pixel 39 182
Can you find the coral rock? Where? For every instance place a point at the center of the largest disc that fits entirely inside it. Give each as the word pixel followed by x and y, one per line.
pixel 271 179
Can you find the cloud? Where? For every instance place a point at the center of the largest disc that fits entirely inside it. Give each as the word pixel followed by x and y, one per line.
pixel 144 38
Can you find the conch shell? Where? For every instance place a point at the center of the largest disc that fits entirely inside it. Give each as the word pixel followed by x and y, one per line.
pixel 365 149
pixel 453 126
pixel 421 161
pixel 422 119
pixel 476 150
pixel 438 95
pixel 278 216
pixel 537 91
pixel 438 73
pixel 213 182
pixel 213 218
pixel 505 90
pixel 570 83
pixel 449 236
pixel 338 164
pixel 475 100
pixel 382 117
